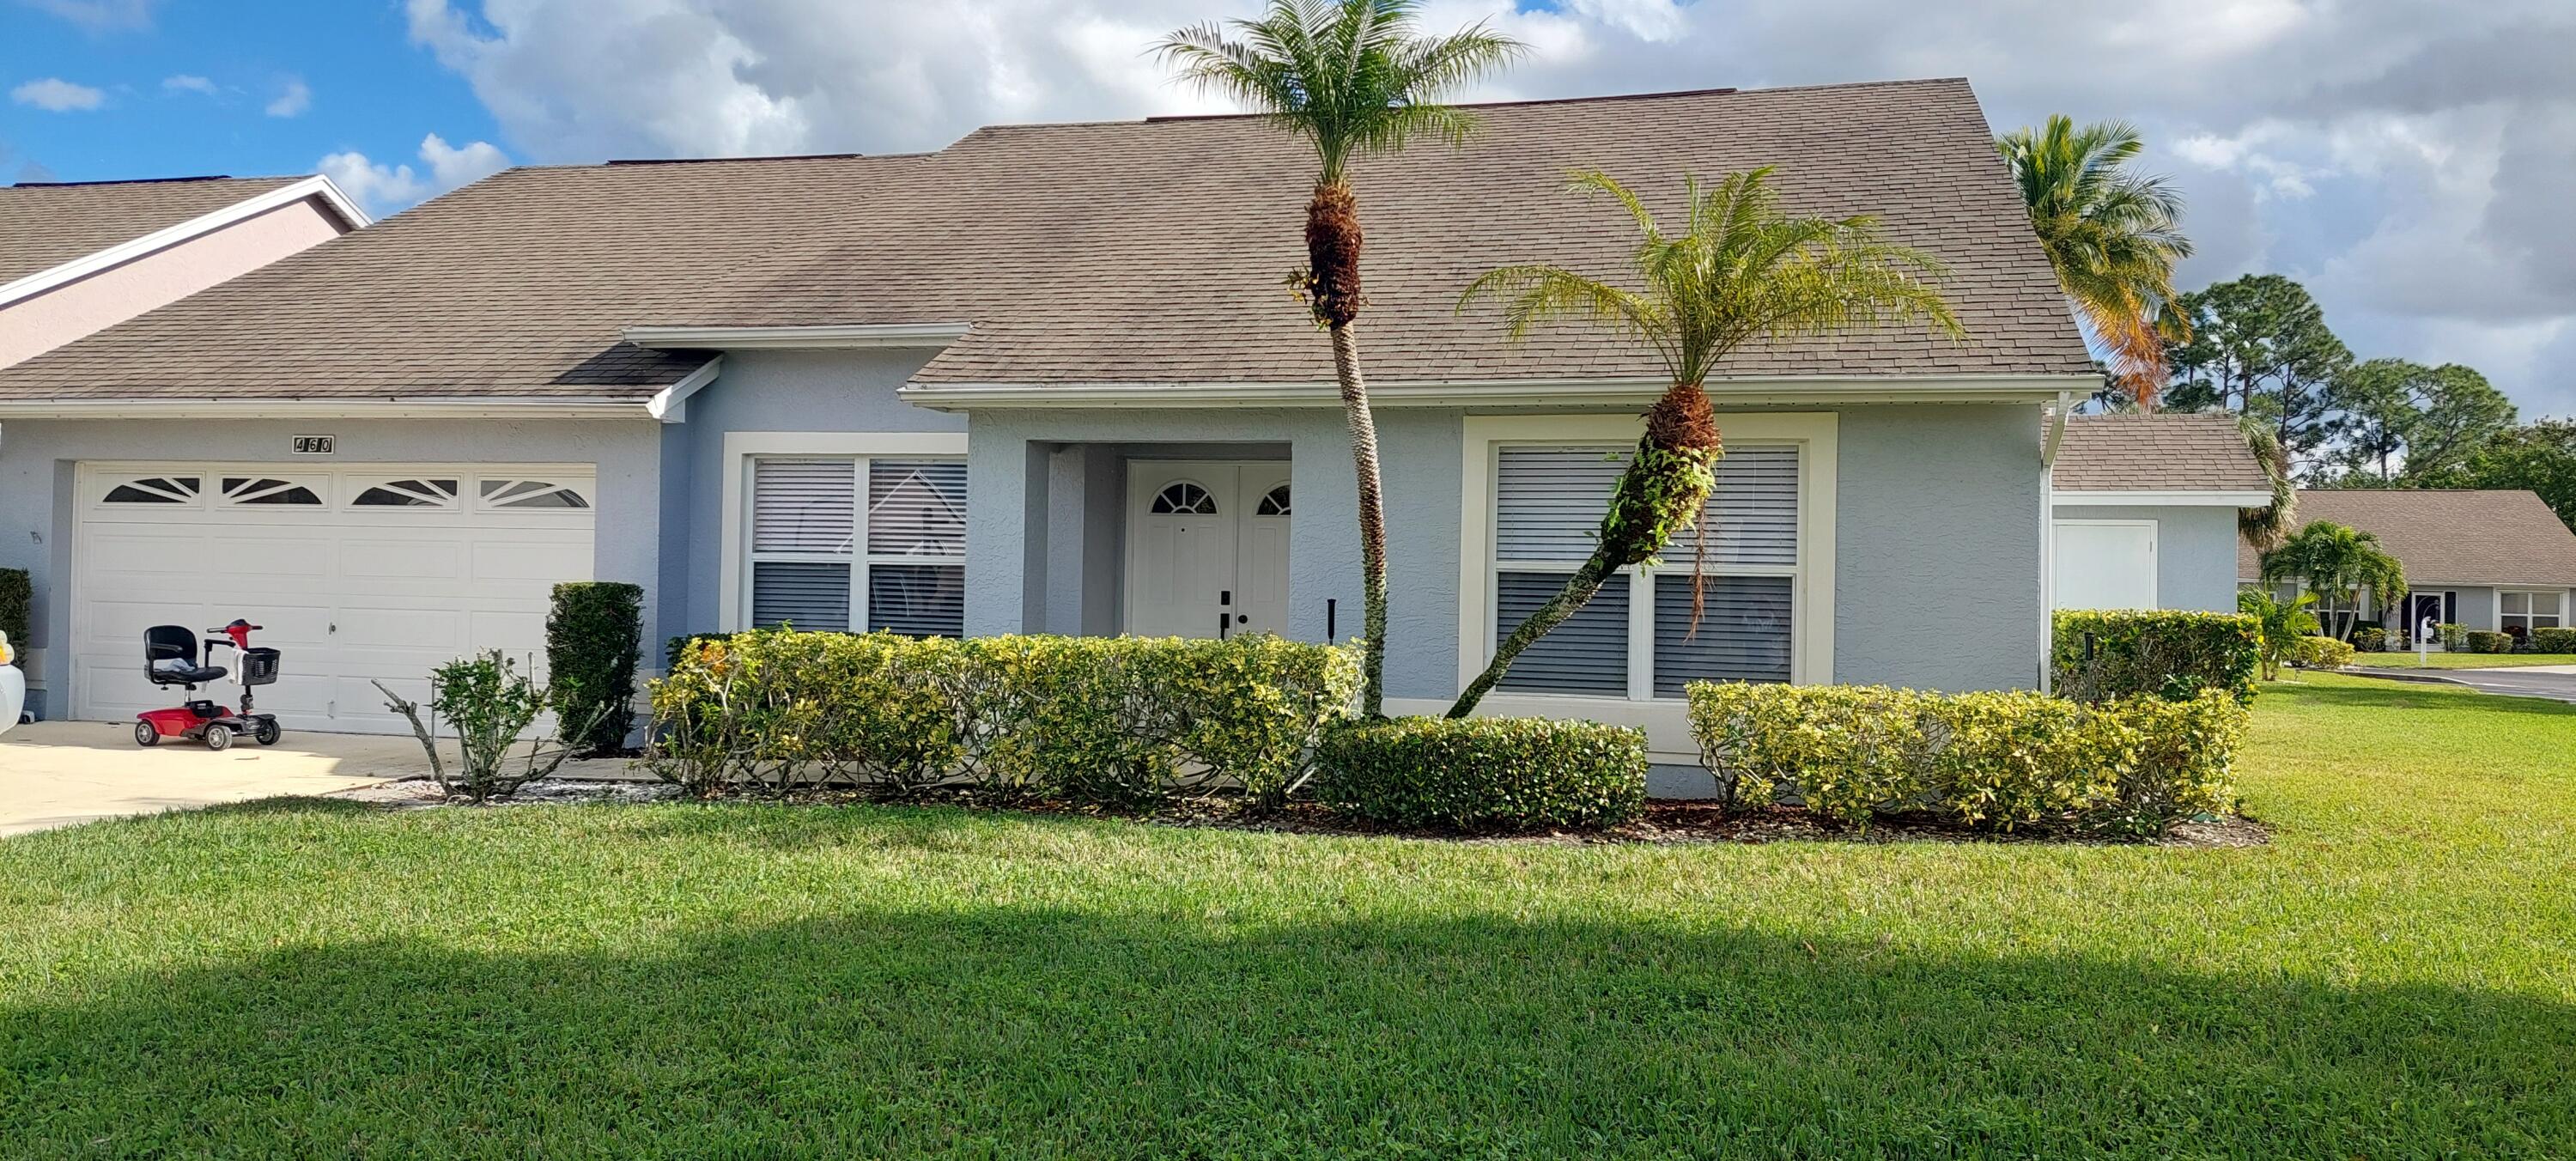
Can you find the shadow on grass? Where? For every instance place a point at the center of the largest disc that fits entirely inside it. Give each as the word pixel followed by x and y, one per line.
pixel 2368 691
pixel 1020 1031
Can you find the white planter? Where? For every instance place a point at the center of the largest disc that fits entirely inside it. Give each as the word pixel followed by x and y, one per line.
pixel 13 696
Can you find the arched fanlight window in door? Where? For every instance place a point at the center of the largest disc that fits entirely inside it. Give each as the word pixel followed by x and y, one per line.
pixel 1275 503
pixel 1184 499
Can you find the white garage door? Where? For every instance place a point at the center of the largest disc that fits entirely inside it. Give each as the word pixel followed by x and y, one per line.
pixel 359 575
pixel 2106 564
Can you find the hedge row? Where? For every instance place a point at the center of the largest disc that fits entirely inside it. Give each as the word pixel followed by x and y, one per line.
pixel 2482 641
pixel 1477 773
pixel 1108 720
pixel 2323 653
pixel 1989 760
pixel 2553 640
pixel 2103 654
pixel 17 603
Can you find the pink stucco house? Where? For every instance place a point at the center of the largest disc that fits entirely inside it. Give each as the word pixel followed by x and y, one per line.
pixel 79 257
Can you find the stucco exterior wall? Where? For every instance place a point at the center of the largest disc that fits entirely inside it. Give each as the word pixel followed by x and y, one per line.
pixel 2195 551
pixel 1938 540
pixel 32 326
pixel 37 503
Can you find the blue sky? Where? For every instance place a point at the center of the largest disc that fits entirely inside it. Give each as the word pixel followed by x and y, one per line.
pixel 2409 161
pixel 370 89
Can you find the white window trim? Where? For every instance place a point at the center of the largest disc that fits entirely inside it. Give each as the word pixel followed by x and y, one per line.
pixel 1812 644
pixel 2556 596
pixel 742 447
pixel 2155 535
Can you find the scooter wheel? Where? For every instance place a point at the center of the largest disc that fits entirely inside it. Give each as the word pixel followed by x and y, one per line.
pixel 219 738
pixel 268 733
pixel 145 735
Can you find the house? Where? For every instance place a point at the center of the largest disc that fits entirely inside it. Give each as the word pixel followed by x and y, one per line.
pixel 2145 509
pixel 78 257
pixel 2499 561
pixel 1048 379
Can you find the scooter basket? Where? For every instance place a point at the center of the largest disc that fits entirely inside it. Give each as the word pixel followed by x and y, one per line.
pixel 259 667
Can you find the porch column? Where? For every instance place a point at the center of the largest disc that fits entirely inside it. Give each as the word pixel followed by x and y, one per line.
pixel 1006 532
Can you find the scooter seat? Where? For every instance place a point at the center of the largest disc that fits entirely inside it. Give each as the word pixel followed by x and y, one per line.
pixel 176 672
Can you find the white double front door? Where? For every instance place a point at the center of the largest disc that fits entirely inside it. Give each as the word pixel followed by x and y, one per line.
pixel 1207 548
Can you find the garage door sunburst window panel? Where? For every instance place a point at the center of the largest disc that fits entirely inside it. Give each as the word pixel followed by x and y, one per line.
pixel 1635 639
pixel 878 540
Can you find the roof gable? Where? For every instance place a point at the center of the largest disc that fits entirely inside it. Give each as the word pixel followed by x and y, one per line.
pixel 2162 452
pixel 2450 537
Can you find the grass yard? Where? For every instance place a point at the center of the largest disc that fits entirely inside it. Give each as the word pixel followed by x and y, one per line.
pixel 2462 660
pixel 2391 978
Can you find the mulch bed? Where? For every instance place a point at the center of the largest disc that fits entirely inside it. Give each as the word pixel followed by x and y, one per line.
pixel 1667 821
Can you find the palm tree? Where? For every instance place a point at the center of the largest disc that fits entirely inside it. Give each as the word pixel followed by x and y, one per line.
pixel 2112 235
pixel 1353 78
pixel 1741 269
pixel 2340 565
pixel 2267 528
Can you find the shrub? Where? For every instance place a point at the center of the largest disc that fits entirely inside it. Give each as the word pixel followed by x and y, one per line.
pixel 2102 654
pixel 2481 641
pixel 1480 773
pixel 2453 637
pixel 2370 639
pixel 593 638
pixel 1115 720
pixel 489 704
pixel 17 603
pixel 2553 640
pixel 1987 760
pixel 2323 653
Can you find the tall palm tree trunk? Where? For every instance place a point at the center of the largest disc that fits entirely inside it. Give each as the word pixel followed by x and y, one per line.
pixel 1372 492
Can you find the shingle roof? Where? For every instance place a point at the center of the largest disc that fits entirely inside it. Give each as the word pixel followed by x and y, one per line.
pixel 2162 452
pixel 43 226
pixel 1125 252
pixel 2450 537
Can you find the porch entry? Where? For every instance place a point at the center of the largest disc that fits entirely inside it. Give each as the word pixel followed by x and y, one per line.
pixel 1207 547
pixel 2443 607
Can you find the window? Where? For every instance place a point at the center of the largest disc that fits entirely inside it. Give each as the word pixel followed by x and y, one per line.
pixel 251 490
pixel 1275 503
pixel 2526 611
pixel 155 490
pixel 1637 639
pixel 875 543
pixel 531 494
pixel 1184 499
pixel 408 494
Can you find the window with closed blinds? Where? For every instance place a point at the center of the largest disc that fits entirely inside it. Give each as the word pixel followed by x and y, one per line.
pixel 873 543
pixel 1637 639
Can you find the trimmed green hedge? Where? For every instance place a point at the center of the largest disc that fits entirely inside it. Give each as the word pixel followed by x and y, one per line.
pixel 17 604
pixel 1485 773
pixel 594 637
pixel 2323 653
pixel 2102 654
pixel 1988 760
pixel 2553 640
pixel 1108 720
pixel 2481 641
pixel 2370 639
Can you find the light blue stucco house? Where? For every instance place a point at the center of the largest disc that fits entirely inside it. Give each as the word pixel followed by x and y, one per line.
pixel 1050 379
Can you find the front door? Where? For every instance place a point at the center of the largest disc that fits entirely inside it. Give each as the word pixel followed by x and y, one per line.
pixel 2443 608
pixel 1207 548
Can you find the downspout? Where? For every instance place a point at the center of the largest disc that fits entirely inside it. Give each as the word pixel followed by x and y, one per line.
pixel 2048 538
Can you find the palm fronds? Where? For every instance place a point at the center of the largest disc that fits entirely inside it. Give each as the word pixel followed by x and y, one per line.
pixel 2113 236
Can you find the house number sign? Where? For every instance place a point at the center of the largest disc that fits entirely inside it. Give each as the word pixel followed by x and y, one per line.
pixel 315 445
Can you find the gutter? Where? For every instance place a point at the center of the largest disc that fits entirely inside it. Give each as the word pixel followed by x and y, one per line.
pixel 425 407
pixel 1613 390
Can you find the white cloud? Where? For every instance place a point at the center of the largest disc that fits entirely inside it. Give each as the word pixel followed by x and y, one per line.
pixel 100 15
pixel 293 98
pixel 56 95
pixel 188 83
pixel 386 188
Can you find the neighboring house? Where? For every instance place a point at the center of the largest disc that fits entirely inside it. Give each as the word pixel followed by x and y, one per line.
pixel 1048 379
pixel 78 257
pixel 2145 511
pixel 2493 560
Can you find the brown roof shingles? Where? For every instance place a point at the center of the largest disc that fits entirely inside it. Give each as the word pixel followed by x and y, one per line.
pixel 2164 452
pixel 2450 537
pixel 44 226
pixel 1125 252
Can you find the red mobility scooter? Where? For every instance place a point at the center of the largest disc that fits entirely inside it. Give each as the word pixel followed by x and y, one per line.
pixel 171 656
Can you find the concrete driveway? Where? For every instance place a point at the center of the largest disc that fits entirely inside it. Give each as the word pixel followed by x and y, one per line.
pixel 59 773
pixel 2555 682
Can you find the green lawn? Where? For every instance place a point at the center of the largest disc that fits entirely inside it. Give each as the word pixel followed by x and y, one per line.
pixel 2391 978
pixel 2462 660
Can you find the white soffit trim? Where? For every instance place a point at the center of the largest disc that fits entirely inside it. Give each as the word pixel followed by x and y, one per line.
pixel 2172 499
pixel 671 404
pixel 808 338
pixel 423 408
pixel 1827 389
pixel 316 186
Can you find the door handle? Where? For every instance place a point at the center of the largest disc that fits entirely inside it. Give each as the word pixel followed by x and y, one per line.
pixel 1224 623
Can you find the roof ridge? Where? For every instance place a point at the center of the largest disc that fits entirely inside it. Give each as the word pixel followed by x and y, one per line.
pixel 154 180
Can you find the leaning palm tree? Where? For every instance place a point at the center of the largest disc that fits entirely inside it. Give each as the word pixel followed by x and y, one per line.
pixel 2113 236
pixel 2268 528
pixel 2341 565
pixel 1354 78
pixel 1741 269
